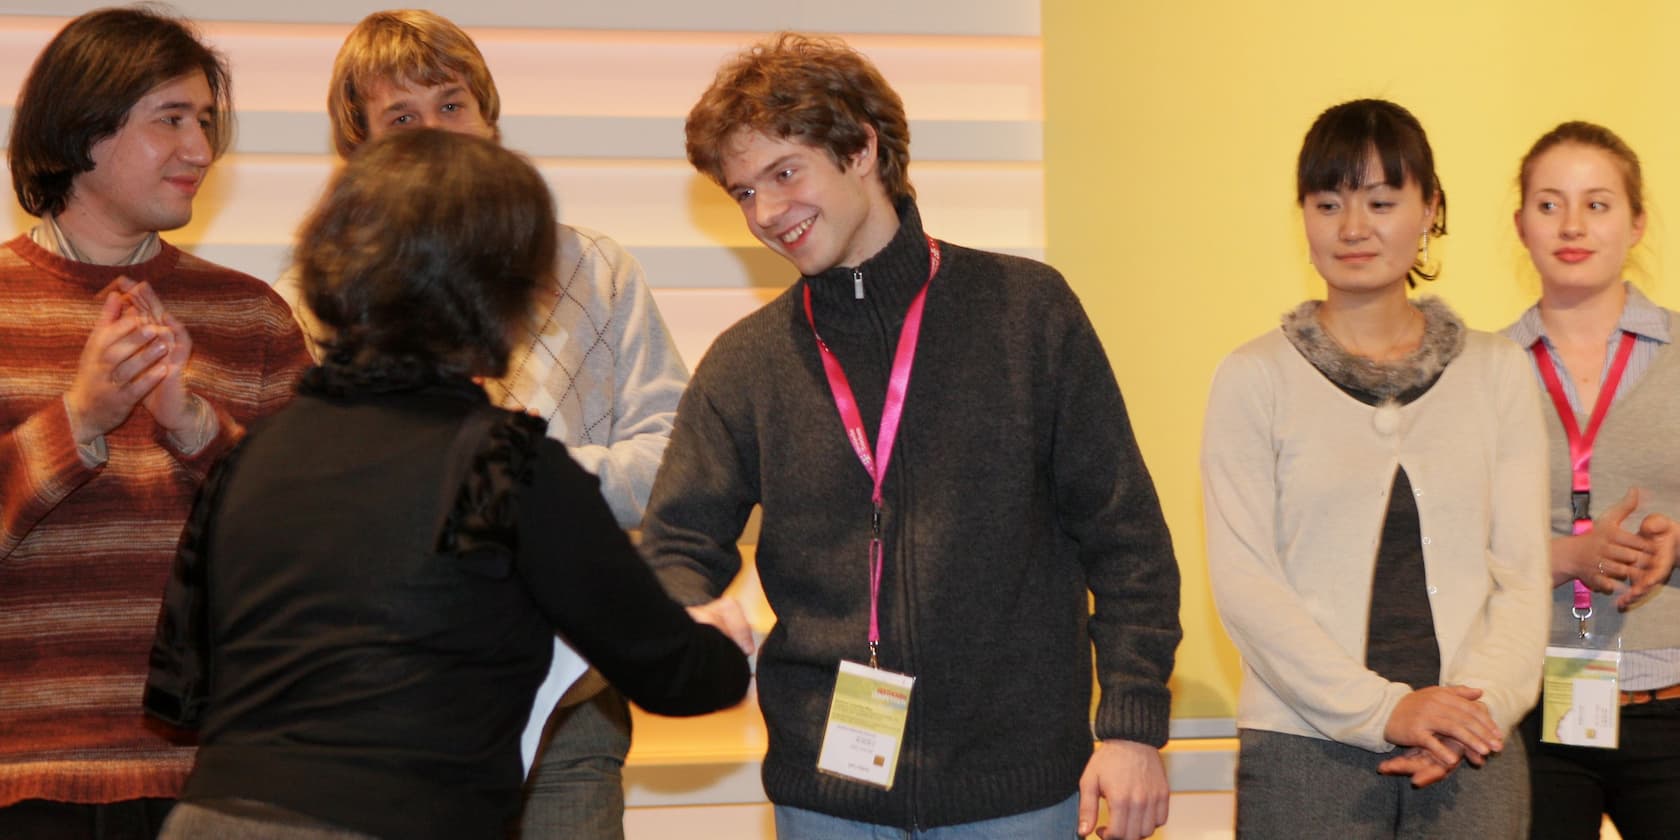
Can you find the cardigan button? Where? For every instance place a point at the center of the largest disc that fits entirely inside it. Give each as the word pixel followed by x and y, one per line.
pixel 1386 420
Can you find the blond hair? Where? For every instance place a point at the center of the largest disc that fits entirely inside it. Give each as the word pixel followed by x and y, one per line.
pixel 409 46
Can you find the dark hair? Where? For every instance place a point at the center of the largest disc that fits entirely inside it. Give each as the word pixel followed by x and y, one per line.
pixel 426 251
pixel 816 90
pixel 1342 141
pixel 83 85
pixel 1595 136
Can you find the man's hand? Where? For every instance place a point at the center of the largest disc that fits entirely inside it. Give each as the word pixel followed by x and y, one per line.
pixel 170 403
pixel 726 615
pixel 121 362
pixel 1431 717
pixel 1131 778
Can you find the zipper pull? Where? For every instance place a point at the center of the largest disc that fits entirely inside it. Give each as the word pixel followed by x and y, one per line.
pixel 857 283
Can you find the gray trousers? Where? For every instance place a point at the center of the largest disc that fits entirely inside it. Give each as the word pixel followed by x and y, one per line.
pixel 576 790
pixel 1291 786
pixel 238 819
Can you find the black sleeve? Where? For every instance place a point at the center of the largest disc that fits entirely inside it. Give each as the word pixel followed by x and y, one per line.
pixel 592 585
pixel 178 675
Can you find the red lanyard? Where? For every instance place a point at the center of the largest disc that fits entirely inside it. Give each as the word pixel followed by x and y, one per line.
pixel 1581 444
pixel 898 384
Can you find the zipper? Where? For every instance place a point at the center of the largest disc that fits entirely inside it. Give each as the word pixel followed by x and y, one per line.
pixel 901 467
pixel 901 554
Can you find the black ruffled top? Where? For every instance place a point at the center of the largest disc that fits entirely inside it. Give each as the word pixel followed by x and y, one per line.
pixel 482 525
pixel 366 599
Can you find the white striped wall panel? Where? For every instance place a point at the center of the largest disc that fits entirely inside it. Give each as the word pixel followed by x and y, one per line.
pixel 924 17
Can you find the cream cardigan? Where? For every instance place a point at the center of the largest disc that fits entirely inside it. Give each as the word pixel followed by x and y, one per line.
pixel 1296 476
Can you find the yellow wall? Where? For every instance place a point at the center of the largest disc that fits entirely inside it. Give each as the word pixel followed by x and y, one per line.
pixel 1171 134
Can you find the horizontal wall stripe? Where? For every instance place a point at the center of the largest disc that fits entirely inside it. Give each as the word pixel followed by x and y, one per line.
pixel 257 200
pixel 285 67
pixel 651 138
pixel 925 17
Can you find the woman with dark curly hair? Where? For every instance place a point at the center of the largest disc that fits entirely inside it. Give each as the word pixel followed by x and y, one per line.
pixel 366 595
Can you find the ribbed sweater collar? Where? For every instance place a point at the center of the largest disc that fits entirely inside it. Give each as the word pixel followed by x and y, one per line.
pixel 90 275
pixel 891 278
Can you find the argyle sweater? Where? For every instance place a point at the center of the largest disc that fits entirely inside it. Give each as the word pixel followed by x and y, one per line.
pixel 85 552
pixel 600 368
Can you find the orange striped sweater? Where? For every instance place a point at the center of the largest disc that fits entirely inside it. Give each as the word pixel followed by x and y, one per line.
pixel 84 553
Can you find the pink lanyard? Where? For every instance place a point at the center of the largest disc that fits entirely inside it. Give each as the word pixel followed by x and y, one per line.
pixel 898 384
pixel 1581 446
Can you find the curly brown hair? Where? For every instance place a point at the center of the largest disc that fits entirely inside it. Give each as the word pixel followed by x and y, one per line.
pixel 813 89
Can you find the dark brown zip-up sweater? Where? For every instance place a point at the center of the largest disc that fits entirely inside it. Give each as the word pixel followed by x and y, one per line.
pixel 1015 491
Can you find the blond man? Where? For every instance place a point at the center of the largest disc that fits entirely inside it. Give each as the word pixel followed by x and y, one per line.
pixel 600 368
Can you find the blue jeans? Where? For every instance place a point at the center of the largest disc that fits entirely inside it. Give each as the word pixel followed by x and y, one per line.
pixel 1057 822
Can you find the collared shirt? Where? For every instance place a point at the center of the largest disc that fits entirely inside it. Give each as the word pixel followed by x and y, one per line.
pixel 1641 669
pixel 50 236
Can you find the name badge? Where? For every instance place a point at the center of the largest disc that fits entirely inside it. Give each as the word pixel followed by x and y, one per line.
pixel 1580 697
pixel 865 728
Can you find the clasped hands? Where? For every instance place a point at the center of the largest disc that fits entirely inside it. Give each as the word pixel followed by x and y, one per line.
pixel 136 355
pixel 1443 725
pixel 1608 555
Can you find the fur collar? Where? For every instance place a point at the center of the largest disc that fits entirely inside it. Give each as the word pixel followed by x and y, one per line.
pixel 1401 380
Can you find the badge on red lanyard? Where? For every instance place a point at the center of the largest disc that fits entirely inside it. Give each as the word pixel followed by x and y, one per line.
pixel 1581 446
pixel 875 460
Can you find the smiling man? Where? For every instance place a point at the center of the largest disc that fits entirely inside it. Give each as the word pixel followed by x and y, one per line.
pixel 946 473
pixel 128 368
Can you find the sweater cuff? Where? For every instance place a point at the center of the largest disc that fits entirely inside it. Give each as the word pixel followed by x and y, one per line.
pixel 685 586
pixel 228 432
pixel 47 435
pixel 94 453
pixel 1137 717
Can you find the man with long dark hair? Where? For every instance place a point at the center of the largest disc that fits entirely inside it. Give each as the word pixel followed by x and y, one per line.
pixel 128 368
